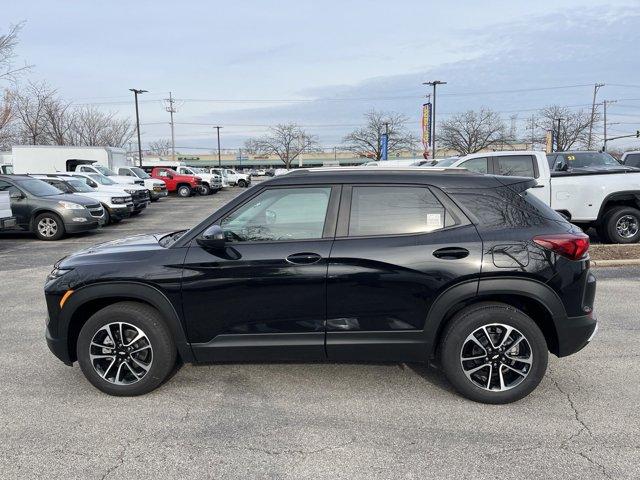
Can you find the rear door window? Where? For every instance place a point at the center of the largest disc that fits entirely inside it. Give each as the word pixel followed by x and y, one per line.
pixel 515 165
pixel 477 165
pixel 395 210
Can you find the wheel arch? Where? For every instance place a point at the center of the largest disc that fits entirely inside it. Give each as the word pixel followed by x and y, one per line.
pixel 40 211
pixel 532 297
pixel 87 300
pixel 628 198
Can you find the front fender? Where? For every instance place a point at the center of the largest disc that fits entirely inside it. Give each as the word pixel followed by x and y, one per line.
pixel 127 291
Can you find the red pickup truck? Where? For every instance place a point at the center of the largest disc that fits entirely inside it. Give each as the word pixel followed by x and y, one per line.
pixel 183 185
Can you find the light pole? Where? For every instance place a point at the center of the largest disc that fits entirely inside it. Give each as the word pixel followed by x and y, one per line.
pixel 433 114
pixel 137 92
pixel 219 160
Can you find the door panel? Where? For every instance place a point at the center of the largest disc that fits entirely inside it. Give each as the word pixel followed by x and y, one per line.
pixel 252 288
pixel 387 285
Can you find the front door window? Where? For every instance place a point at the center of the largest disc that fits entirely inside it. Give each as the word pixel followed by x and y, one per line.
pixel 280 214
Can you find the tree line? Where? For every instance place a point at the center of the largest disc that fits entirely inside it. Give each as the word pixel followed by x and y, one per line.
pixel 34 113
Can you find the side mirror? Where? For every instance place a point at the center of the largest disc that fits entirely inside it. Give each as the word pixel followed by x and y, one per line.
pixel 16 195
pixel 213 238
pixel 169 176
pixel 562 166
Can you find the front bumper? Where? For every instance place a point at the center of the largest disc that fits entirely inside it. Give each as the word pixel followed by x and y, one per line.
pixel 58 347
pixel 156 194
pixel 575 333
pixel 120 213
pixel 76 221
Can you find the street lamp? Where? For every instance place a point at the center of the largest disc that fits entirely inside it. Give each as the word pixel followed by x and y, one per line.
pixel 137 92
pixel 433 114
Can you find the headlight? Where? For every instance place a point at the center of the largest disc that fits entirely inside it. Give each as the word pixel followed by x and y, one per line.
pixel 70 205
pixel 57 273
pixel 130 191
pixel 118 199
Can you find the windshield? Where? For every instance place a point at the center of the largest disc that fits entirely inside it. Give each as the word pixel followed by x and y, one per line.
pixel 104 170
pixel 588 159
pixel 79 186
pixel 39 188
pixel 102 180
pixel 446 162
pixel 140 173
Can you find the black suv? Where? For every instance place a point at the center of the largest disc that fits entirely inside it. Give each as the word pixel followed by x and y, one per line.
pixel 469 271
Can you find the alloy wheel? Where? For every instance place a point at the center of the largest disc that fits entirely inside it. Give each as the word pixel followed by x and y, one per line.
pixel 627 226
pixel 496 357
pixel 47 227
pixel 121 353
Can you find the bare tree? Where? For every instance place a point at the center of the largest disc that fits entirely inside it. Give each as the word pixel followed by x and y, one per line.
pixel 160 147
pixel 8 130
pixel 472 131
pixel 574 126
pixel 58 121
pixel 8 42
pixel 286 141
pixel 367 141
pixel 30 106
pixel 93 127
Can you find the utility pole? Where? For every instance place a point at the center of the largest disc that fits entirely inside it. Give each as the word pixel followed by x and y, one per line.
pixel 384 154
pixel 604 107
pixel 558 120
pixel 137 92
pixel 219 159
pixel 434 83
pixel 171 109
pixel 533 130
pixel 596 87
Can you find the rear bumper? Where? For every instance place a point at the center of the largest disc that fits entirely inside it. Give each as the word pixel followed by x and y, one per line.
pixel 575 333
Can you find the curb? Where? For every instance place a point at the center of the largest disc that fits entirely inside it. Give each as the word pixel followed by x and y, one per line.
pixel 615 263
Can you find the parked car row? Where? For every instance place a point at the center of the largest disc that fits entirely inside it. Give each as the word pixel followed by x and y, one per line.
pixel 51 205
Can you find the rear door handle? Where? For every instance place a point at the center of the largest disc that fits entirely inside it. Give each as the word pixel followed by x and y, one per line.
pixel 451 253
pixel 305 258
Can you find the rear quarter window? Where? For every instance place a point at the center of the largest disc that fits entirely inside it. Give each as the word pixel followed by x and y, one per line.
pixel 632 160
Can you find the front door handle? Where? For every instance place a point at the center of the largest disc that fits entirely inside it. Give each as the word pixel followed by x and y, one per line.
pixel 451 253
pixel 305 258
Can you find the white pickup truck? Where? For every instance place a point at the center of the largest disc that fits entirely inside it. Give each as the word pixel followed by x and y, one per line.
pixel 232 177
pixel 591 189
pixel 211 182
pixel 157 188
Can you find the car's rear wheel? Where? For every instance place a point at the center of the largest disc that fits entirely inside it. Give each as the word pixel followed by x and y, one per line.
pixel 48 226
pixel 493 353
pixel 622 225
pixel 184 191
pixel 126 349
pixel 204 189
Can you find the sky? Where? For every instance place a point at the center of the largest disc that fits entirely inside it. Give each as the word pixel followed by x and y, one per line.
pixel 249 64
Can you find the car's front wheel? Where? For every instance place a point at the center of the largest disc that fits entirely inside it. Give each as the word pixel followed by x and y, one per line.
pixel 184 191
pixel 493 353
pixel 126 349
pixel 48 226
pixel 242 183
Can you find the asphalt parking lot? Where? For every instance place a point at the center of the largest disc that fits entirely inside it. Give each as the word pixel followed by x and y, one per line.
pixel 305 420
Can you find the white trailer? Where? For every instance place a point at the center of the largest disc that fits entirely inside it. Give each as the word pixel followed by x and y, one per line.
pixel 54 159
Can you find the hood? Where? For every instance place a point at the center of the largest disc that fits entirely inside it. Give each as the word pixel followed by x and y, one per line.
pixel 133 249
pixel 123 179
pixel 71 197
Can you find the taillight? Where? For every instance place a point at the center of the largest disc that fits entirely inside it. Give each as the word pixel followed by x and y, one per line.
pixel 574 246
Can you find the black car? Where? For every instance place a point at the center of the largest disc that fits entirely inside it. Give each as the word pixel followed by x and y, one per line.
pixel 469 271
pixel 48 212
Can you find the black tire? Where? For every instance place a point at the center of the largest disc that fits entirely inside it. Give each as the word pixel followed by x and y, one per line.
pixel 615 218
pixel 135 213
pixel 54 229
pixel 107 215
pixel 472 318
pixel 242 183
pixel 204 189
pixel 184 191
pixel 149 321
